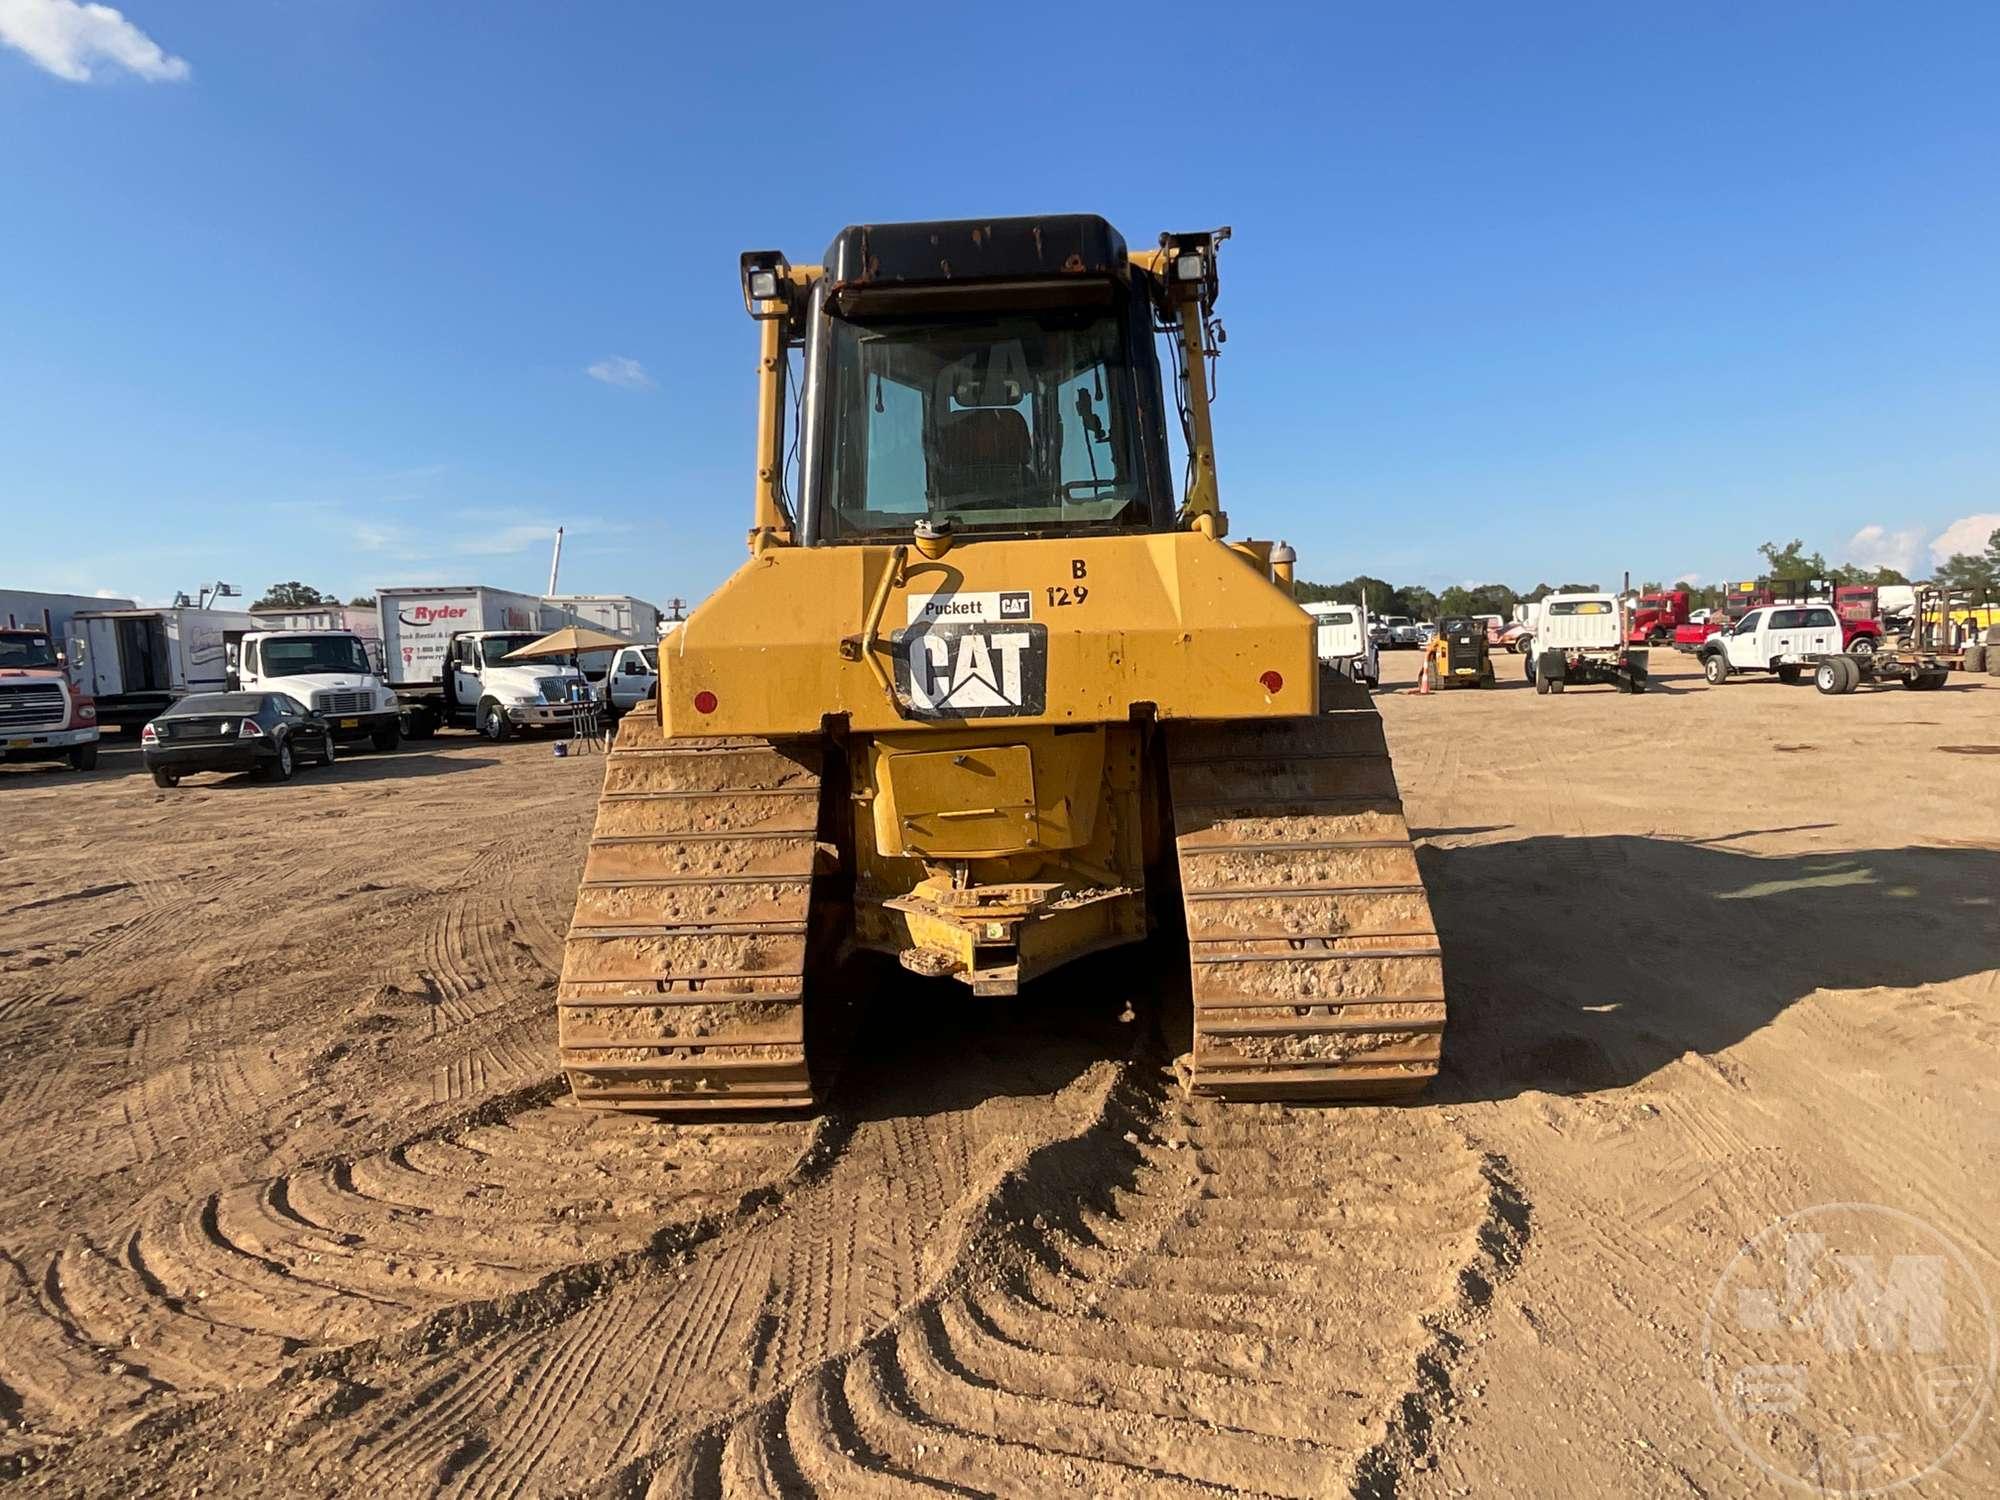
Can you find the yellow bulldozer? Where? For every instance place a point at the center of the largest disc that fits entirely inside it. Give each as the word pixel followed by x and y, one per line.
pixel 992 692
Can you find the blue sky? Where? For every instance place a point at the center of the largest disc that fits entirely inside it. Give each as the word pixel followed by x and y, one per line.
pixel 315 289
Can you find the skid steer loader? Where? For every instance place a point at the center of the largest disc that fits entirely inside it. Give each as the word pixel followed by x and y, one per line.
pixel 991 693
pixel 1458 655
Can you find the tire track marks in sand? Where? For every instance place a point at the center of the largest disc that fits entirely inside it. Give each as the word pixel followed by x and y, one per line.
pixel 1179 1298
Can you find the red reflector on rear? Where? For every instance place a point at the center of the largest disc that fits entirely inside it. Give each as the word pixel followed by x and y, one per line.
pixel 1272 681
pixel 704 702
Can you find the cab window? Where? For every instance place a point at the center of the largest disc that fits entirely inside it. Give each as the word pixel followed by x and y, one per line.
pixel 1749 623
pixel 1820 618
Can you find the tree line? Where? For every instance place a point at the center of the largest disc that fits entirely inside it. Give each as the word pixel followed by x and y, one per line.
pixel 1419 603
pixel 1978 573
pixel 296 595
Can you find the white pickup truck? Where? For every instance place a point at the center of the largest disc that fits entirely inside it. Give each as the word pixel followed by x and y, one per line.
pixel 330 673
pixel 632 677
pixel 1344 641
pixel 1785 639
pixel 1790 640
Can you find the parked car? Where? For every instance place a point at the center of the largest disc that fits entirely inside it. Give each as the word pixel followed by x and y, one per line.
pixel 266 734
pixel 1517 637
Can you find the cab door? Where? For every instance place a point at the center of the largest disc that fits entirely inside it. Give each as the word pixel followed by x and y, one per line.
pixel 1743 644
pixel 465 672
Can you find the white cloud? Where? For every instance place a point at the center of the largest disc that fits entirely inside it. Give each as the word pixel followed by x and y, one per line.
pixel 370 536
pixel 1689 578
pixel 1966 534
pixel 626 374
pixel 1876 546
pixel 503 540
pixel 68 39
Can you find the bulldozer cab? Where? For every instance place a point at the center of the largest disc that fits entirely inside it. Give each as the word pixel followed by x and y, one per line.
pixel 995 422
pixel 992 380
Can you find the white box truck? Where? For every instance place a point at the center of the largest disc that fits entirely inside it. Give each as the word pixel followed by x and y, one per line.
pixel 329 672
pixel 1345 642
pixel 445 649
pixel 356 619
pixel 138 662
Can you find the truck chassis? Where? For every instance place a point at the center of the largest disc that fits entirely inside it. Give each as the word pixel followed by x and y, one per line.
pixel 1844 671
pixel 1553 670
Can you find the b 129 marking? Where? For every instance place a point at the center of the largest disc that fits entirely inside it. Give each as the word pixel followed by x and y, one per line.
pixel 953 670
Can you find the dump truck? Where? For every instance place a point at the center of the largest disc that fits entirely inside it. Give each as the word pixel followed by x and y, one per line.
pixel 991 693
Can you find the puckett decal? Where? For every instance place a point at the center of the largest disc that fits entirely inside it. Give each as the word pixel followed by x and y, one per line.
pixel 1012 604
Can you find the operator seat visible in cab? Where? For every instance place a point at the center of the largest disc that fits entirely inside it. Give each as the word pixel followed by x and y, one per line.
pixel 984 454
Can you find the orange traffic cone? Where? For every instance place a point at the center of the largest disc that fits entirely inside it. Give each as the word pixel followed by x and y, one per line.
pixel 1424 678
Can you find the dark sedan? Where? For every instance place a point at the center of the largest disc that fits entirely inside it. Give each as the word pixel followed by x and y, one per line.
pixel 266 734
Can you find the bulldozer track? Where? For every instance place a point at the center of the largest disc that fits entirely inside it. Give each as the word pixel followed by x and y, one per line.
pixel 684 971
pixel 1316 970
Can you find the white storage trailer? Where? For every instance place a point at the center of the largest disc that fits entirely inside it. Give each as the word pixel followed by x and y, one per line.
pixel 26 609
pixel 620 614
pixel 138 662
pixel 616 614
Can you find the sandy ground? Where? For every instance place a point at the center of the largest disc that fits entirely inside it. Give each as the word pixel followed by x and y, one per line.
pixel 290 1202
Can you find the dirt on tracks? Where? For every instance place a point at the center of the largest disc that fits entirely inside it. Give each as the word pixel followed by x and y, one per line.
pixel 292 1203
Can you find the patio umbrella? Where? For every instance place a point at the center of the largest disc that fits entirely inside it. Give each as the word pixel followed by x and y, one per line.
pixel 566 642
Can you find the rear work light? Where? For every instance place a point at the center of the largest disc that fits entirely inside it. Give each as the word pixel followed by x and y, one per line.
pixel 250 728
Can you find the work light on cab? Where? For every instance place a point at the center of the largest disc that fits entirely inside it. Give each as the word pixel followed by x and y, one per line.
pixel 767 279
